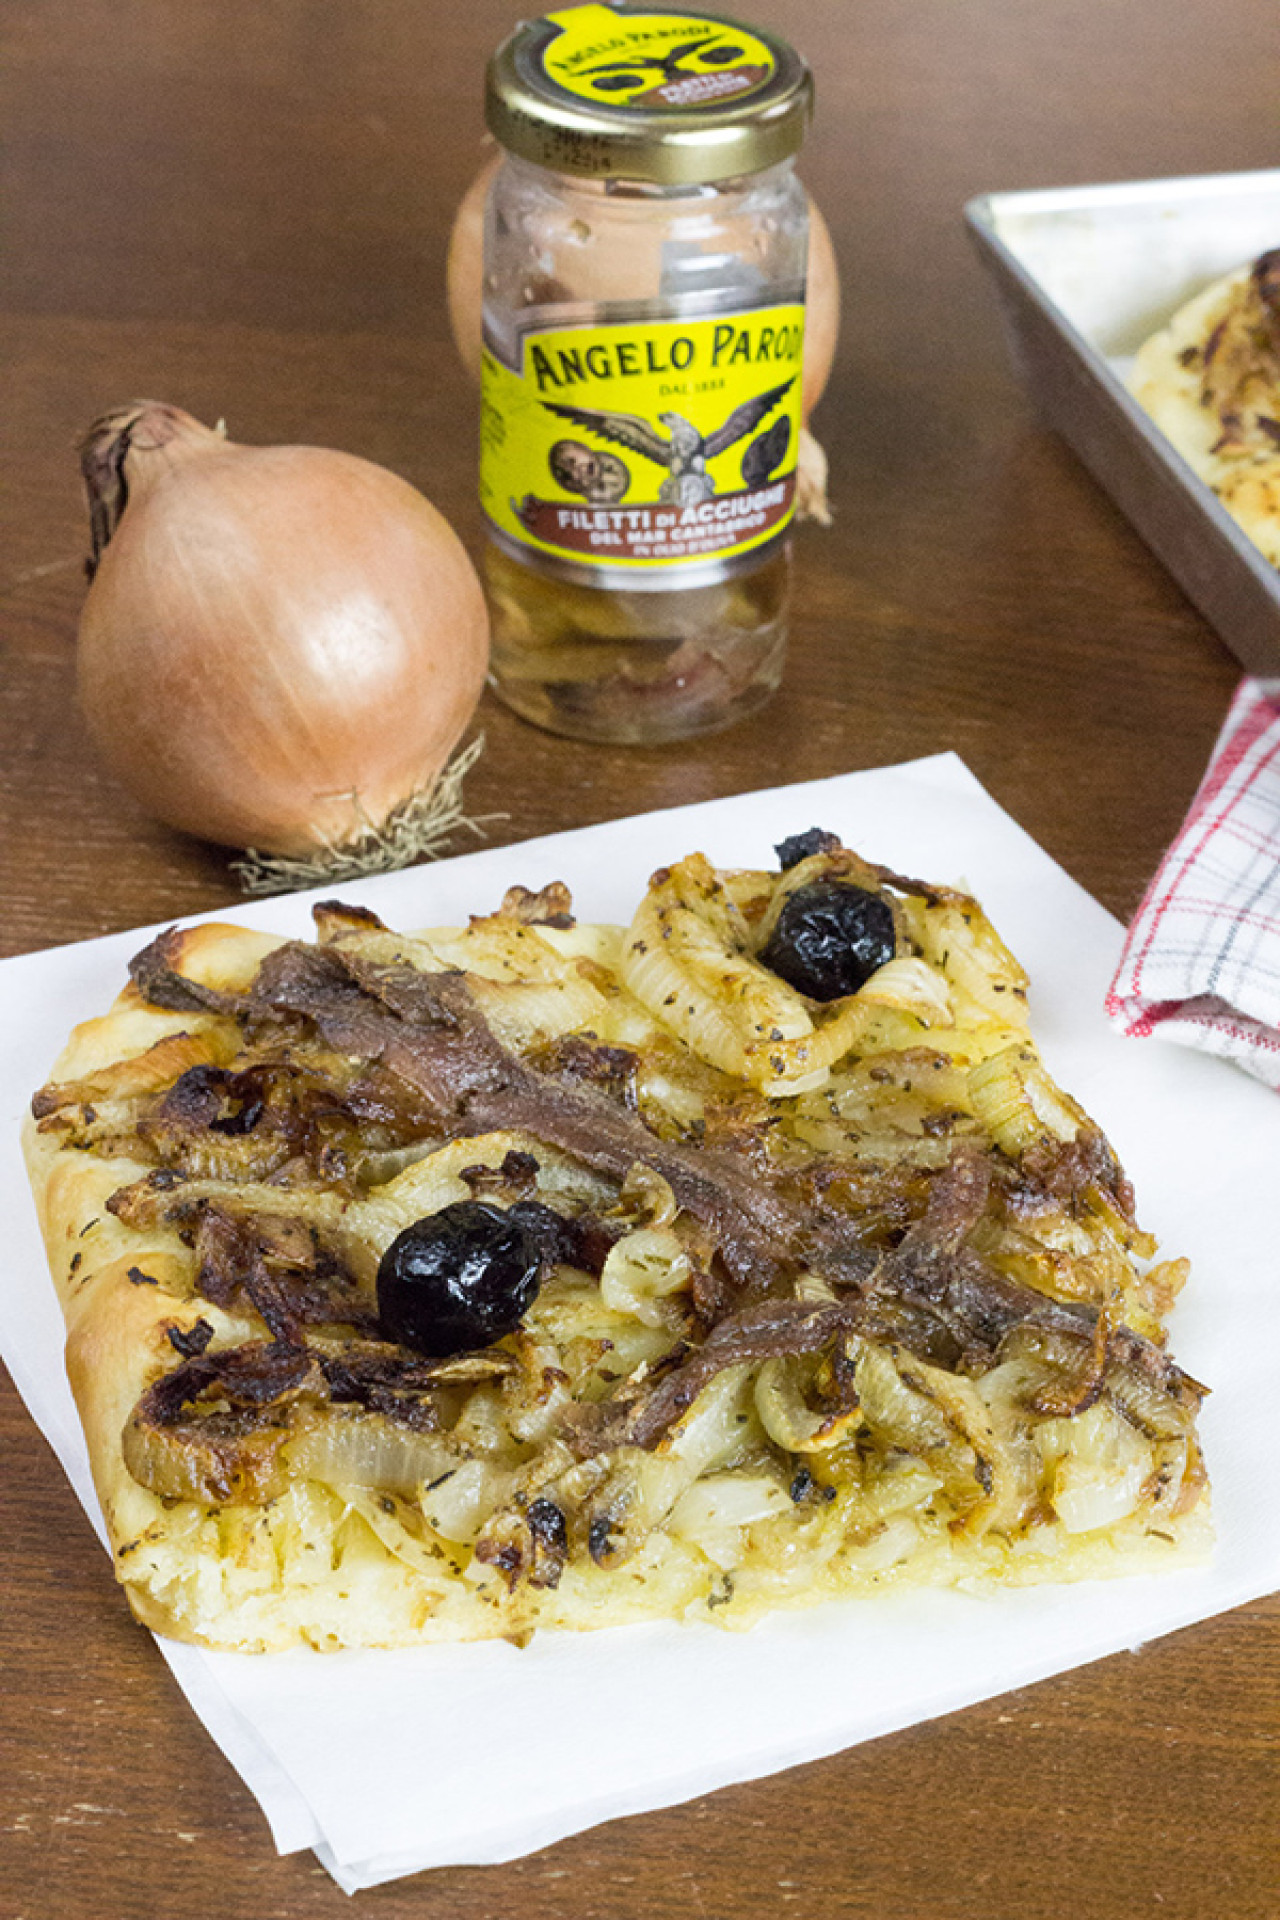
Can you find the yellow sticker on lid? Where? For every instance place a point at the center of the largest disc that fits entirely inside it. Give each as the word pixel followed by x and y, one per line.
pixel 657 62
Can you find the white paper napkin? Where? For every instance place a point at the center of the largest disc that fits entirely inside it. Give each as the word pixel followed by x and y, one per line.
pixel 386 1763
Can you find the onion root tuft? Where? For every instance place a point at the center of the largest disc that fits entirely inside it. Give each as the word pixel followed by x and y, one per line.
pixel 419 829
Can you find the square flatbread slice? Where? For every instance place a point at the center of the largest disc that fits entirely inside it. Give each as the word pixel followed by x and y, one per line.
pixel 822 1282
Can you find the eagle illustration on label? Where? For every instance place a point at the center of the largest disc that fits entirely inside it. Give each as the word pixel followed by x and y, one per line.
pixel 685 451
pixel 708 408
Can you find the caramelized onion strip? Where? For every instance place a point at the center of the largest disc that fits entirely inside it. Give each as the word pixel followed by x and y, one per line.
pixel 141 1073
pixel 353 1447
pixel 218 1459
pixel 686 960
pixel 786 1414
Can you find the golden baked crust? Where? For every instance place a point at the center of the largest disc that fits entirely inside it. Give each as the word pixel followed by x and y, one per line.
pixel 1210 379
pixel 837 1293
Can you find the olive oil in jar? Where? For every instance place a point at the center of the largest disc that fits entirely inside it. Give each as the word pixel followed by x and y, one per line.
pixel 645 250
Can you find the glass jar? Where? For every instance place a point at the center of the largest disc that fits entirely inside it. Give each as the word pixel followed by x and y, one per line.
pixel 644 326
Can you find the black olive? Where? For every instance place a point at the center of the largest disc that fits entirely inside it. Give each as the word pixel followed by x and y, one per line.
pixel 801 846
pixel 582 1242
pixel 830 938
pixel 458 1279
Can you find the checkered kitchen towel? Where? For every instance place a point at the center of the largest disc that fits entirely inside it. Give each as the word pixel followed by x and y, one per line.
pixel 1202 960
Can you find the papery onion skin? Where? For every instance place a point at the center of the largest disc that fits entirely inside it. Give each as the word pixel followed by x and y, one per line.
pixel 465 289
pixel 281 644
pixel 822 312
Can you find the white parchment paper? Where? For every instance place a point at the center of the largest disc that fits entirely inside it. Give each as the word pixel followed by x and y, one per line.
pixel 387 1763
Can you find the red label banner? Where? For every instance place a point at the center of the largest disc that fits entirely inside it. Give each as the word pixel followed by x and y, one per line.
pixel 656 532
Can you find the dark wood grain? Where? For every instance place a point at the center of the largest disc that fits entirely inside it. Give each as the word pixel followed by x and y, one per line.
pixel 244 208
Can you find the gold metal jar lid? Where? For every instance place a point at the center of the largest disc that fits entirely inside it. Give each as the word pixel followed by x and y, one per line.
pixel 624 92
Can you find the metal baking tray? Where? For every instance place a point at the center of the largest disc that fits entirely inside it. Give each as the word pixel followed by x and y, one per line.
pixel 1083 275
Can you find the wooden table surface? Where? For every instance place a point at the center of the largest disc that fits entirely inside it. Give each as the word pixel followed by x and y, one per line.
pixel 243 207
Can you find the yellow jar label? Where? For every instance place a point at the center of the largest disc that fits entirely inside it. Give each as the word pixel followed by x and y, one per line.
pixel 656 61
pixel 646 445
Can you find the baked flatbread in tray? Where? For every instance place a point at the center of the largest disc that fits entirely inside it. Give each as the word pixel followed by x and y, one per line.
pixel 1210 379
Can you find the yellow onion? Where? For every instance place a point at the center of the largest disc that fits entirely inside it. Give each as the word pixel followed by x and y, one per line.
pixel 281 645
pixel 465 286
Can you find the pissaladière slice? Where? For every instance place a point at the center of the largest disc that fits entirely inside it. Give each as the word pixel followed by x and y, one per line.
pixel 826 1285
